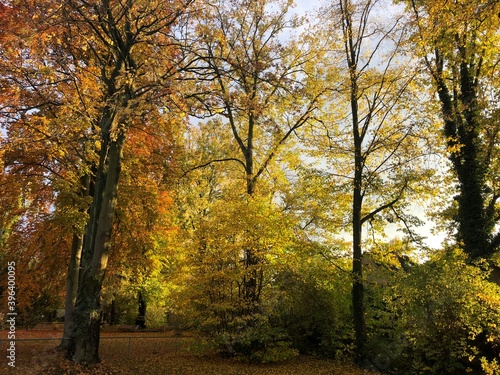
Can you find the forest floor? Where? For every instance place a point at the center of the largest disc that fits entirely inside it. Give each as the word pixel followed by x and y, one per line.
pixel 151 353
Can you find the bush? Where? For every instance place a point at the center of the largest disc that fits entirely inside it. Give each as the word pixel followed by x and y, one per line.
pixel 257 341
pixel 449 317
pixel 316 314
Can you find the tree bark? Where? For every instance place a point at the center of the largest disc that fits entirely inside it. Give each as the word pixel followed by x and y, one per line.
pixel 73 272
pixel 358 292
pixel 71 289
pixel 84 342
pixel 358 289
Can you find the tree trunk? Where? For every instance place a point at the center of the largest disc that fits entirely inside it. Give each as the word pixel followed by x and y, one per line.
pixel 73 275
pixel 84 343
pixel 461 127
pixel 140 321
pixel 71 289
pixel 358 289
pixel 358 293
pixel 252 281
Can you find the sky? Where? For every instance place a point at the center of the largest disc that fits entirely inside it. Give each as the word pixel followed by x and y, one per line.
pixel 306 5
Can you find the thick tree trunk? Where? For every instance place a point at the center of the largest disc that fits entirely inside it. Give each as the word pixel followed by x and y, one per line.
pixel 84 343
pixel 462 123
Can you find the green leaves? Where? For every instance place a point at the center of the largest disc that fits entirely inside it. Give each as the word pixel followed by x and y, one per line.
pixel 449 314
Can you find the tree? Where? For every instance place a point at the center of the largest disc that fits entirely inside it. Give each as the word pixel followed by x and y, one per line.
pixel 210 294
pixel 373 132
pixel 45 141
pixel 92 57
pixel 120 37
pixel 75 81
pixel 456 42
pixel 256 86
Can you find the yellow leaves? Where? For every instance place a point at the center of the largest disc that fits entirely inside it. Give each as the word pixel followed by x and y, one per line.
pixel 491 299
pixel 457 25
pixel 453 146
pixel 490 367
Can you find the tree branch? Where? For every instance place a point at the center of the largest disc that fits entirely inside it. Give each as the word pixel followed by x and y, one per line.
pixel 372 214
pixel 211 162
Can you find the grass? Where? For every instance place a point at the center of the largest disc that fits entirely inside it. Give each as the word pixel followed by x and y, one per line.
pixel 131 353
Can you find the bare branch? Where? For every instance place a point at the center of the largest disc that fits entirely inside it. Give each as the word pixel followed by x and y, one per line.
pixel 211 162
pixel 390 204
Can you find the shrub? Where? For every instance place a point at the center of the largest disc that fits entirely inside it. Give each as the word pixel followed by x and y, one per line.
pixel 257 341
pixel 449 316
pixel 316 314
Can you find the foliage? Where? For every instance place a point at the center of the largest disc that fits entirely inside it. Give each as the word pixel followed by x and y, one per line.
pixel 313 305
pixel 256 342
pixel 212 272
pixel 448 314
pixel 252 80
pixel 490 368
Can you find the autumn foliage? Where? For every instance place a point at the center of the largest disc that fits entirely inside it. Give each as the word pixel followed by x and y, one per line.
pixel 256 179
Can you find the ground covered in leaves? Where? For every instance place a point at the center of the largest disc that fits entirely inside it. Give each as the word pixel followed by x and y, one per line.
pixel 164 353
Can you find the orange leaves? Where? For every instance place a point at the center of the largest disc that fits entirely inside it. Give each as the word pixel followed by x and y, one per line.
pixel 66 75
pixel 144 212
pixel 165 202
pixel 10 22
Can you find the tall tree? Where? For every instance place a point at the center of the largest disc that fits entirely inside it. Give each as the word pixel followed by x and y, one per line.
pixel 123 39
pixel 255 83
pixel 45 141
pixel 73 83
pixel 218 222
pixel 457 42
pixel 372 139
pixel 92 57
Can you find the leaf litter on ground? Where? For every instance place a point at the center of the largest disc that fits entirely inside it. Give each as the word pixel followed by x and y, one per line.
pixel 153 354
